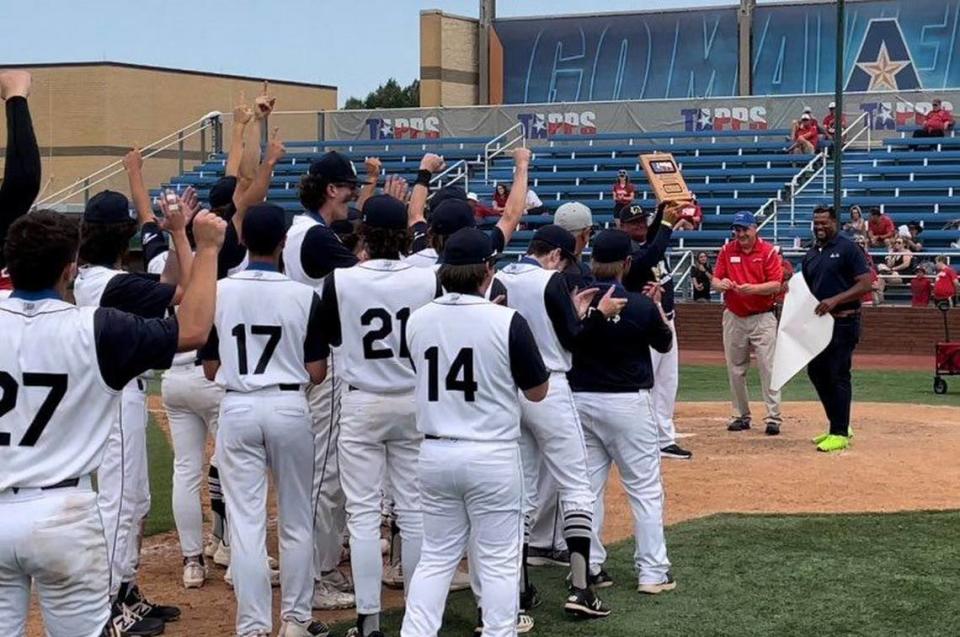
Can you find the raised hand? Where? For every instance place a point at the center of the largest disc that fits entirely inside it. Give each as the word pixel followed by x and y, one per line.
pixel 397 187
pixel 374 167
pixel 242 112
pixel 133 160
pixel 174 219
pixel 521 155
pixel 189 203
pixel 432 162
pixel 15 83
pixel 275 148
pixel 265 102
pixel 208 230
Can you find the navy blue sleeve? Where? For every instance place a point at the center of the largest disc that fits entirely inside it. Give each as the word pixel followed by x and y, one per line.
pixel 658 333
pixel 231 254
pixel 154 241
pixel 419 232
pixel 322 252
pixel 526 363
pixel 856 261
pixel 211 349
pixel 497 239
pixel 330 313
pixel 140 294
pixel 129 345
pixel 646 258
pixel 497 288
pixel 314 346
pixel 21 170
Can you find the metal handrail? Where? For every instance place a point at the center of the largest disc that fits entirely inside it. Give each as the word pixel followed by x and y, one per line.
pixel 678 284
pixel 796 188
pixel 489 154
pixel 177 137
pixel 768 217
pixel 867 126
pixel 461 170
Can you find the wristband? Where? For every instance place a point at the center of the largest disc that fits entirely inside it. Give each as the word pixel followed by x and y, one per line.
pixel 666 224
pixel 423 178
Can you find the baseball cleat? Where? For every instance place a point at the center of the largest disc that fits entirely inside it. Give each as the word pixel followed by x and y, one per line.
pixel 772 429
pixel 194 572
pixel 833 443
pixel 524 623
pixel 308 628
pixel 818 439
pixel 393 576
pixel 460 581
pixel 210 548
pixel 739 424
pixel 668 584
pixel 325 597
pixel 139 604
pixel 601 580
pixel 338 581
pixel 530 598
pixel 547 557
pixel 221 556
pixel 584 603
pixel 124 622
pixel 675 451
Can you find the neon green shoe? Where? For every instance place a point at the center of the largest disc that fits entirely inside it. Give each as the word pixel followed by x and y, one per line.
pixel 818 439
pixel 833 443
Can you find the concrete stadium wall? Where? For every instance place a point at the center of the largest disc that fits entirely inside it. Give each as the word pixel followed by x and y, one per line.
pixel 88 115
pixel 449 72
pixel 886 330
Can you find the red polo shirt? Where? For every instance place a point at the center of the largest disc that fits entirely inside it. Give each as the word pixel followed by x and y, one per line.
pixel 945 284
pixel 760 265
pixel 882 227
pixel 938 120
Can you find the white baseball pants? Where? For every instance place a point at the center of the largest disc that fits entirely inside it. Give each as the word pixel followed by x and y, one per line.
pixel 259 431
pixel 666 374
pixel 546 529
pixel 193 406
pixel 54 539
pixel 471 492
pixel 621 428
pixel 123 484
pixel 379 443
pixel 328 499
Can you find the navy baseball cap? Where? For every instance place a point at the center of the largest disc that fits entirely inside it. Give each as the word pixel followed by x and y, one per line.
pixel 447 192
pixel 554 235
pixel 384 211
pixel 108 207
pixel 611 246
pixel 451 215
pixel 467 246
pixel 221 193
pixel 632 213
pixel 267 222
pixel 744 219
pixel 335 168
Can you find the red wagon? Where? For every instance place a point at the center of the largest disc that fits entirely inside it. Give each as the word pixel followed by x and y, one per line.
pixel 947 355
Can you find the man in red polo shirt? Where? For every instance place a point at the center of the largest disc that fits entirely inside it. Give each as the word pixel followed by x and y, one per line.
pixel 937 122
pixel 806 137
pixel 749 272
pixel 945 284
pixel 880 229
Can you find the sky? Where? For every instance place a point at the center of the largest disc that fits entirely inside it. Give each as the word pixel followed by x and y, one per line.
pixel 354 46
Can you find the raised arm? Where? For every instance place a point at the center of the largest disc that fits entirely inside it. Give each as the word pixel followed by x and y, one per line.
pixel 242 114
pixel 21 171
pixel 430 165
pixel 370 185
pixel 199 300
pixel 517 201
pixel 257 192
pixel 133 164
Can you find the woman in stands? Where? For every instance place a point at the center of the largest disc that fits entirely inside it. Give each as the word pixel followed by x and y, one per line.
pixel 500 195
pixel 623 191
pixel 898 264
pixel 701 276
pixel 857 225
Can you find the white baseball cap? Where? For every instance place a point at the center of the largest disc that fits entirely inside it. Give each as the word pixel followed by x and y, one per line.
pixel 472 196
pixel 573 216
pixel 807 109
pixel 832 105
pixel 805 116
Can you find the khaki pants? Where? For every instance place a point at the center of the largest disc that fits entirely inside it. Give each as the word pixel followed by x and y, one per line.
pixel 740 334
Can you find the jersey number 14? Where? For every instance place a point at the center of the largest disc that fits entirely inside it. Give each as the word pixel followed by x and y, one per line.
pixel 459 377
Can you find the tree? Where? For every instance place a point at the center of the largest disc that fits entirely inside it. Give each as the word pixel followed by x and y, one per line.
pixel 389 95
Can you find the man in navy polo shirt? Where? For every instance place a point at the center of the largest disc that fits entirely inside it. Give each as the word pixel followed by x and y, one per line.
pixel 838 276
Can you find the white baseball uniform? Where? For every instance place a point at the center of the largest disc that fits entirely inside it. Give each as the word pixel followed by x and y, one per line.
pixel 122 479
pixel 265 330
pixel 309 237
pixel 471 356
pixel 365 311
pixel 62 369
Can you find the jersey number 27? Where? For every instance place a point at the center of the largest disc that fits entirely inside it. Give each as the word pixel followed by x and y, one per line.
pixel 57 383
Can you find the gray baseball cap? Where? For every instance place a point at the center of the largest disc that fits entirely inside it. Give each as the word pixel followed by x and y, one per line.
pixel 573 216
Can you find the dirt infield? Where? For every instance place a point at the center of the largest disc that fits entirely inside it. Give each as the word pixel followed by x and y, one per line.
pixel 904 457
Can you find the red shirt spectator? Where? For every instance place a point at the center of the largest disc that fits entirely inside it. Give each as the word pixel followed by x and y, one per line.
pixel 830 119
pixel 880 227
pixel 691 216
pixel 938 119
pixel 945 285
pixel 761 264
pixel 623 191
pixel 808 131
pixel 480 211
pixel 500 197
pixel 920 289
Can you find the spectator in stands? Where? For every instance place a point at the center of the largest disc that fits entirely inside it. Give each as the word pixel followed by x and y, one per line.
pixel 700 277
pixel 946 285
pixel 921 287
pixel 534 205
pixel 500 195
pixel 480 211
pixel 875 296
pixel 749 273
pixel 937 122
pixel 623 191
pixel 910 233
pixel 806 136
pixel 829 125
pixel 898 263
pixel 691 215
pixel 880 229
pixel 577 219
pixel 857 226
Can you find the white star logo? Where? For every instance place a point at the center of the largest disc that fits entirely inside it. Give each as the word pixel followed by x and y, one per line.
pixel 884 115
pixel 386 129
pixel 882 72
pixel 704 121
pixel 538 123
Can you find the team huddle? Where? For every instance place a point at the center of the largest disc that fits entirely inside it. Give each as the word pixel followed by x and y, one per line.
pixel 404 374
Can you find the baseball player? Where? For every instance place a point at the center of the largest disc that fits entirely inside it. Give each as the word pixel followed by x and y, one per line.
pixel 650 265
pixel 311 252
pixel 611 380
pixel 538 291
pixel 124 488
pixel 264 347
pixel 468 376
pixel 58 406
pixel 365 311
